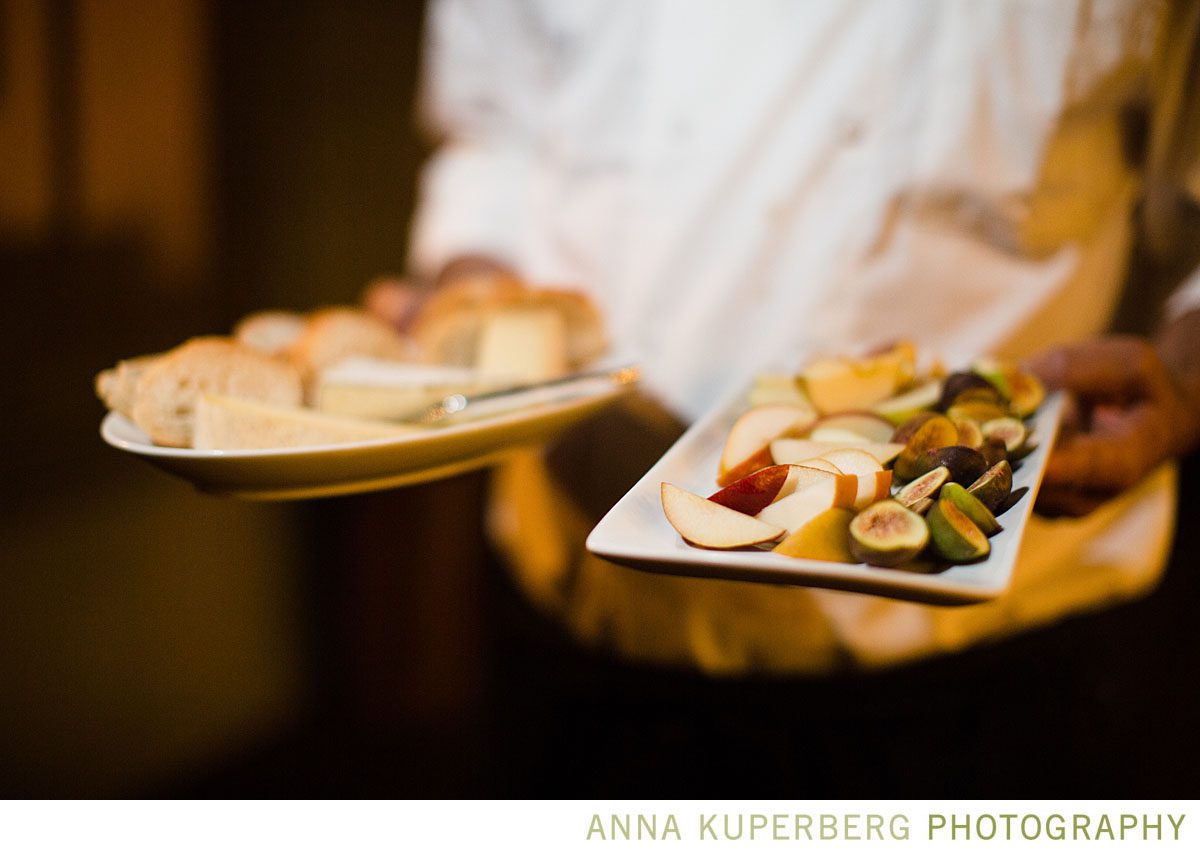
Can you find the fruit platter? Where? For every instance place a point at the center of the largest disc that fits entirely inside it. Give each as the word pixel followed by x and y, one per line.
pixel 860 473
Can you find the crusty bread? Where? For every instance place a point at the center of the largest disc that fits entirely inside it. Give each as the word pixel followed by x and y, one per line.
pixel 166 391
pixel 232 423
pixel 117 387
pixel 335 333
pixel 450 325
pixel 270 331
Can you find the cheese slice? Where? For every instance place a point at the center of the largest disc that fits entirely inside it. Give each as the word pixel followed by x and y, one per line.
pixel 523 345
pixel 224 423
pixel 374 389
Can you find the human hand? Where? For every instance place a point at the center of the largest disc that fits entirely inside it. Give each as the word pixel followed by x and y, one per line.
pixel 1126 413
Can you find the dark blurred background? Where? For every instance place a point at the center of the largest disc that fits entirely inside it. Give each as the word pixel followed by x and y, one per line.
pixel 169 165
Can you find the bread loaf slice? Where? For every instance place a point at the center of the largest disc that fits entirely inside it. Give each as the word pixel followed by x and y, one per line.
pixel 167 390
pixel 335 333
pixel 270 331
pixel 233 423
pixel 117 387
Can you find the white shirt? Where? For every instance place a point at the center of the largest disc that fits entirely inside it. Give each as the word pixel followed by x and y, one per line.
pixel 774 178
pixel 742 185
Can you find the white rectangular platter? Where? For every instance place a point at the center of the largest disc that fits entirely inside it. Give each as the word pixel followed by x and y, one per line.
pixel 635 533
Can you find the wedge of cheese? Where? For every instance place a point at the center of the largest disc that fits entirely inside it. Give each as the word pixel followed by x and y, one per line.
pixel 229 423
pixel 523 345
pixel 374 389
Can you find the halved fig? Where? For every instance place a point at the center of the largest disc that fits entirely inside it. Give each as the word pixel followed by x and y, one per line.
pixel 958 383
pixel 922 507
pixel 975 510
pixel 953 535
pixel 993 450
pixel 965 465
pixel 1025 392
pixel 980 411
pixel 906 429
pixel 887 534
pixel 925 487
pixel 969 433
pixel 934 433
pixel 1007 428
pixel 992 488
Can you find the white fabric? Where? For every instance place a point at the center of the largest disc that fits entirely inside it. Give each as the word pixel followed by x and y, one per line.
pixel 741 185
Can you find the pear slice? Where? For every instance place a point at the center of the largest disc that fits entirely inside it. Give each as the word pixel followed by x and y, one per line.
pixel 712 526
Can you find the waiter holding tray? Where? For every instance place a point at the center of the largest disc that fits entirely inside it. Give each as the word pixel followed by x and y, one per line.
pixel 744 186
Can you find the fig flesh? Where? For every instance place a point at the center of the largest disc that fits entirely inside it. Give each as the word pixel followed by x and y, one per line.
pixel 887 534
pixel 1007 428
pixel 934 433
pixel 953 535
pixel 975 510
pixel 925 487
pixel 992 488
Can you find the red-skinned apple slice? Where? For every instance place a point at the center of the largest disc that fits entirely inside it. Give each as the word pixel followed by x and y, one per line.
pixel 795 510
pixel 753 431
pixel 789 450
pixel 853 461
pixel 852 427
pixel 752 493
pixel 712 526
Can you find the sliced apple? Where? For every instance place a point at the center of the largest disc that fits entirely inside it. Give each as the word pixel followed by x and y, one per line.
pixel 712 526
pixel 791 450
pixel 853 461
pixel 871 487
pixel 842 384
pixel 899 409
pixel 825 537
pixel 753 492
pixel 789 513
pixel 856 427
pixel 761 459
pixel 754 430
pixel 820 463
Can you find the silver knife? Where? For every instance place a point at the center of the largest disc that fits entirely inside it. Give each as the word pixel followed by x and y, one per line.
pixel 460 406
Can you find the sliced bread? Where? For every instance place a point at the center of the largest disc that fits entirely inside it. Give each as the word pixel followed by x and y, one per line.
pixel 166 391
